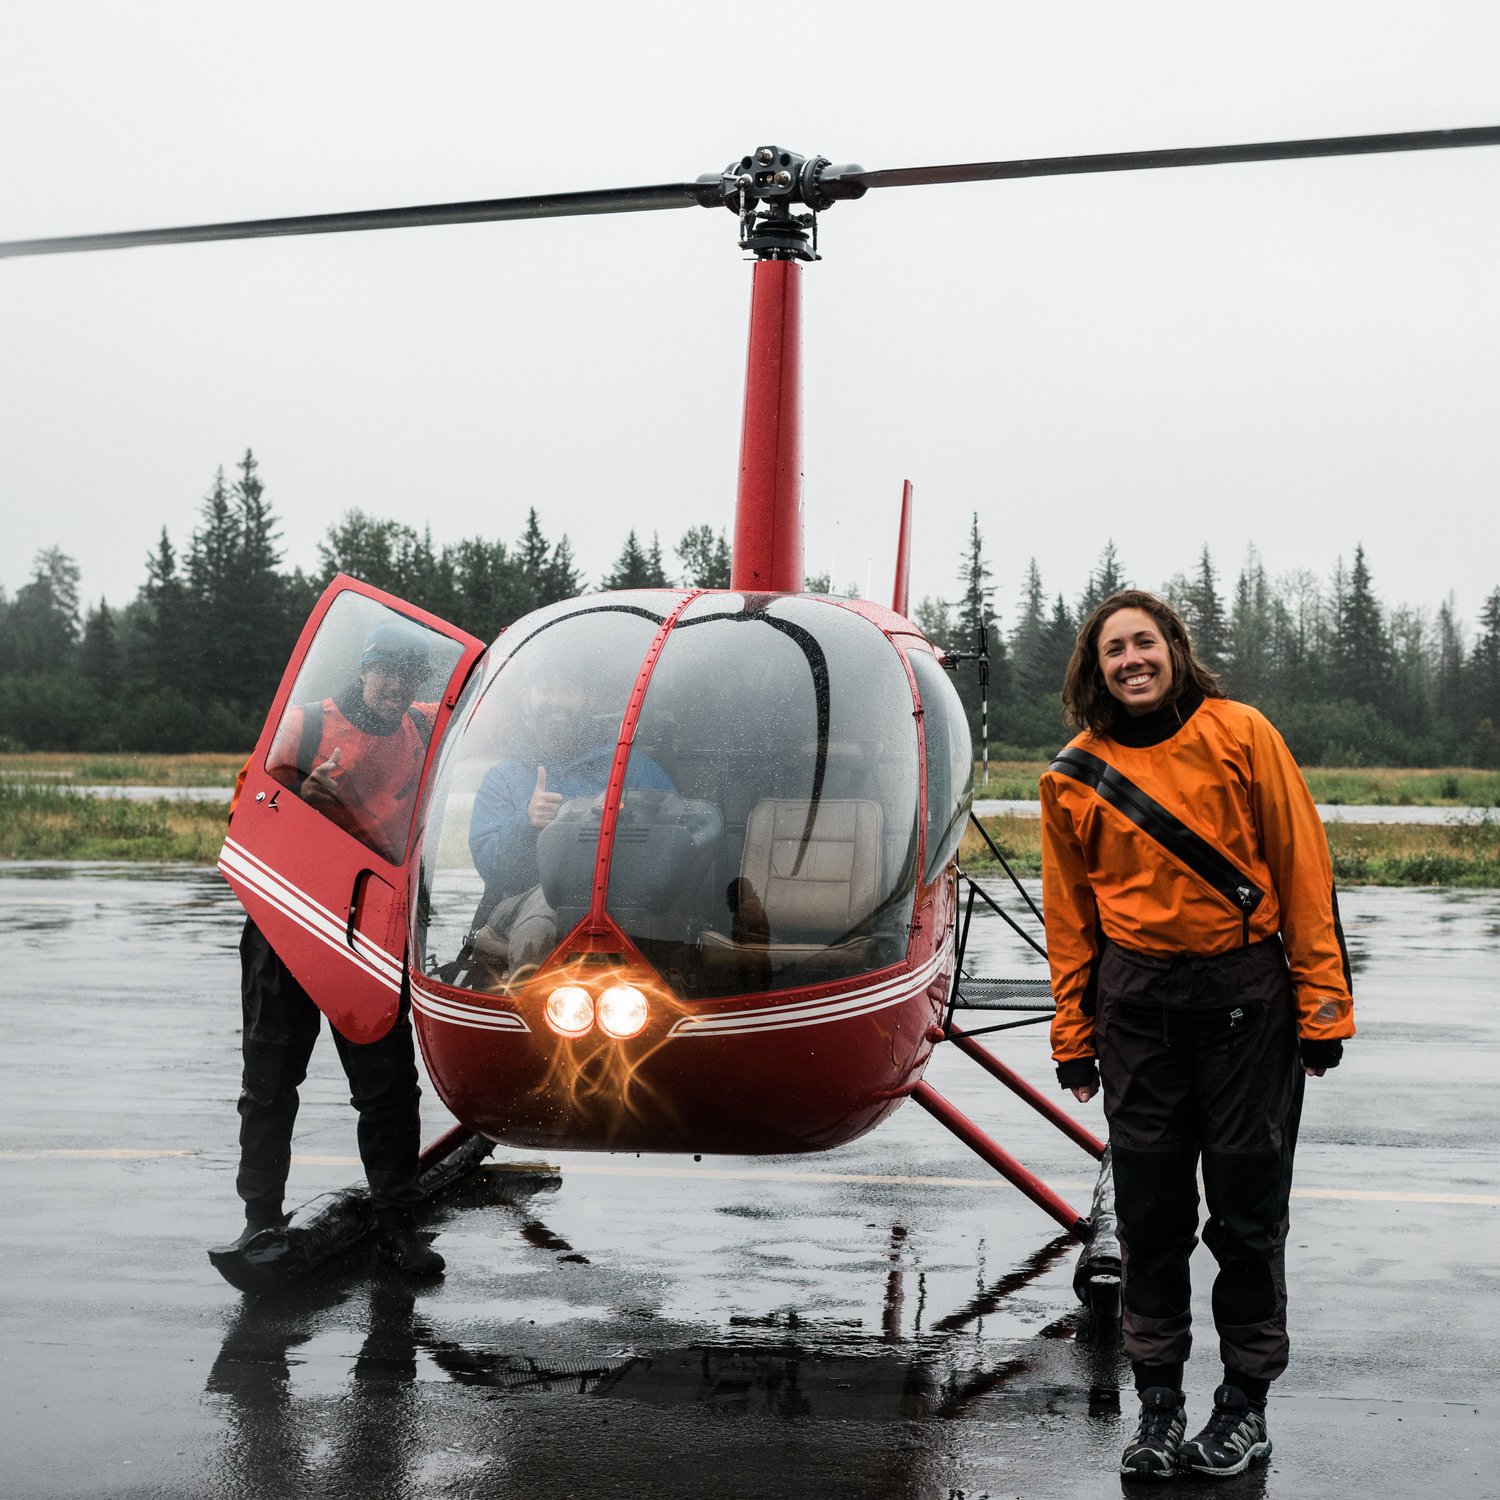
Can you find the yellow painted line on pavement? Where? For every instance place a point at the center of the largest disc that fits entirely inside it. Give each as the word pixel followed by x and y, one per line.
pixel 701 1173
pixel 1359 1195
pixel 92 1153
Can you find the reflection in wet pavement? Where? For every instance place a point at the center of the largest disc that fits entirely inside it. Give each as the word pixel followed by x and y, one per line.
pixel 882 1321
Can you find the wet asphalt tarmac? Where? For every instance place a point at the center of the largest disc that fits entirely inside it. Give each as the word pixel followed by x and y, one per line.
pixel 884 1321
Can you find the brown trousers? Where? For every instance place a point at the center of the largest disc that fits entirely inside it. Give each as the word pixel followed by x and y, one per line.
pixel 1198 1060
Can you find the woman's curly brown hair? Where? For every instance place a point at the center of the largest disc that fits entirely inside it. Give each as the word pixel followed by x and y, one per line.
pixel 1087 702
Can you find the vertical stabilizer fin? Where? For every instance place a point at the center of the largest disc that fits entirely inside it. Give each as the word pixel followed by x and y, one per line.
pixel 901 593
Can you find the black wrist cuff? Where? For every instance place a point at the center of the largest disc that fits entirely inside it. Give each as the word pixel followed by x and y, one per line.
pixel 1320 1052
pixel 1077 1072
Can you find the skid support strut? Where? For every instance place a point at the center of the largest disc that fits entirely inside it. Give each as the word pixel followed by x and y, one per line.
pixel 1019 1086
pixel 1001 1160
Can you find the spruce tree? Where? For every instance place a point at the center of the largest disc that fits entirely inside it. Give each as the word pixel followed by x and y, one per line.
pixel 259 629
pixel 7 641
pixel 1062 635
pixel 490 588
pixel 656 572
pixel 43 623
pixel 934 619
pixel 1205 614
pixel 1248 657
pixel 166 629
pixel 366 548
pixel 1362 653
pixel 99 658
pixel 1108 577
pixel 974 608
pixel 631 569
pixel 533 549
pixel 704 557
pixel 1299 615
pixel 1030 658
pixel 563 580
pixel 1449 684
pixel 211 571
pixel 532 556
pixel 426 575
pixel 1484 670
pixel 1408 700
pixel 975 627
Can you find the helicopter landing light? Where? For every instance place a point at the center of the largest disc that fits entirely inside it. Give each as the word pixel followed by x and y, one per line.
pixel 622 1011
pixel 570 1010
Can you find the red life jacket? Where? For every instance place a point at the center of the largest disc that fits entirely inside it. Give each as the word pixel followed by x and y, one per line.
pixel 376 777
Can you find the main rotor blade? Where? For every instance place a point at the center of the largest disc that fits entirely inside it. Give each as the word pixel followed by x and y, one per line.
pixel 1184 156
pixel 536 206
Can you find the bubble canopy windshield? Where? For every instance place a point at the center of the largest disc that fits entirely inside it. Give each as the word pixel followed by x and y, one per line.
pixel 765 835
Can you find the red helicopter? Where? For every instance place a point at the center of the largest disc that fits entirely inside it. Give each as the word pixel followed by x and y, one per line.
pixel 742 917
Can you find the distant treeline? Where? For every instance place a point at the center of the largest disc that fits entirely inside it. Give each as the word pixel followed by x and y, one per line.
pixel 1348 680
pixel 191 663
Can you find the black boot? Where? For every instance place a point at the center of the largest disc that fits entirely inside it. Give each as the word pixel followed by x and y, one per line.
pixel 399 1242
pixel 260 1213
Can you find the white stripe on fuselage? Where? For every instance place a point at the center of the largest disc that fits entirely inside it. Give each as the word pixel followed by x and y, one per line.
pixel 818 1012
pixel 308 914
pixel 461 1013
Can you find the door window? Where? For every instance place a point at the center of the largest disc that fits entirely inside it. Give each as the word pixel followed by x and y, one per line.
pixel 353 737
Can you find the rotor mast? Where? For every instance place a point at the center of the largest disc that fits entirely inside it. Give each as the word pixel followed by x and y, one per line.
pixel 763 189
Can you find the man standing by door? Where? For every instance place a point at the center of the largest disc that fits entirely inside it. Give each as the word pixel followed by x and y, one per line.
pixel 357 757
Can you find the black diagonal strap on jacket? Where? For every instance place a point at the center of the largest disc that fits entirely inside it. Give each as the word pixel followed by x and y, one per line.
pixel 1191 849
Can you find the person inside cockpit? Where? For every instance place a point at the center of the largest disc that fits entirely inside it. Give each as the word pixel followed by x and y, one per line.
pixel 564 749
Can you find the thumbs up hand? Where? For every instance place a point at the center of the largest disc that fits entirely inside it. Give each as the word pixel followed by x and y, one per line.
pixel 542 808
pixel 321 786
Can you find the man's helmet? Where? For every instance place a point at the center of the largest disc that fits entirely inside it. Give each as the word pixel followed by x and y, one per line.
pixel 396 646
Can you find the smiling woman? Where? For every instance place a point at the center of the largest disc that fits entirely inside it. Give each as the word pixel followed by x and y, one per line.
pixel 1135 661
pixel 1139 659
pixel 1199 970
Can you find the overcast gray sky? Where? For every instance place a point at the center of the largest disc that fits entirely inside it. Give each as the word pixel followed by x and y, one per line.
pixel 1297 355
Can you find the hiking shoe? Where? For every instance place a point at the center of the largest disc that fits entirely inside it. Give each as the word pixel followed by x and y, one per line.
pixel 1152 1452
pixel 403 1246
pixel 1234 1439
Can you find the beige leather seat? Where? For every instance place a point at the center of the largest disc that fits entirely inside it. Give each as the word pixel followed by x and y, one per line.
pixel 803 890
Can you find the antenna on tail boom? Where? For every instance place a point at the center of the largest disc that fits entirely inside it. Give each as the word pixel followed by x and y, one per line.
pixel 982 655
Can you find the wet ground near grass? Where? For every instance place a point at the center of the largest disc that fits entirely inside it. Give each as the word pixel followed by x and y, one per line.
pixel 884 1321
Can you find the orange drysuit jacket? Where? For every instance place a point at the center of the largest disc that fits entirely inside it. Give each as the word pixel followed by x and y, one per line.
pixel 1228 775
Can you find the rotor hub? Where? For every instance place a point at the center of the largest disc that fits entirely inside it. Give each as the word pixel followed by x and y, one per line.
pixel 764 188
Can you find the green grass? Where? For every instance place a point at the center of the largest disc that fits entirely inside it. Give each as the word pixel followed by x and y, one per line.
pixel 51 822
pixel 1009 780
pixel 1456 786
pixel 64 768
pixel 1465 854
pixel 44 819
pixel 1396 787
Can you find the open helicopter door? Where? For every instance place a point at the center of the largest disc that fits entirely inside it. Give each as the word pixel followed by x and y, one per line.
pixel 320 837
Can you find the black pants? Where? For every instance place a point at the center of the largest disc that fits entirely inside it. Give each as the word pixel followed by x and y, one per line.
pixel 1198 1059
pixel 281 1025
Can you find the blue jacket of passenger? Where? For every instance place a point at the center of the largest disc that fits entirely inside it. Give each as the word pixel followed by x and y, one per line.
pixel 501 838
